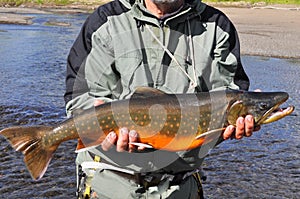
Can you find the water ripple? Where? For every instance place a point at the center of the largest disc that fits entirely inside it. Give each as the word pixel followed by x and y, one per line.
pixel 265 165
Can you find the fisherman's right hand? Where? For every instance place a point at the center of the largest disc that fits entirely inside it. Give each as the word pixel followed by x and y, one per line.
pixel 122 141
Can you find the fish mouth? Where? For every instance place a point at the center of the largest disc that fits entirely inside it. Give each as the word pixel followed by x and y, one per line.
pixel 276 113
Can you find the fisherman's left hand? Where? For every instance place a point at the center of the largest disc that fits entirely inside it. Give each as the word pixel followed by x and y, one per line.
pixel 244 127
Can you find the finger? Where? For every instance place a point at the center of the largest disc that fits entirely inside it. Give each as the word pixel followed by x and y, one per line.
pixel 123 140
pixel 229 131
pixel 240 128
pixel 133 137
pixel 249 125
pixel 109 141
pixel 98 102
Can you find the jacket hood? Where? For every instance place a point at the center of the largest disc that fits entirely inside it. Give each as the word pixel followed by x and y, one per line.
pixel 127 3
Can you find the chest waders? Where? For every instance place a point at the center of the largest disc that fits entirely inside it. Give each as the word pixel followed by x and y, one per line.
pixel 85 177
pixel 84 189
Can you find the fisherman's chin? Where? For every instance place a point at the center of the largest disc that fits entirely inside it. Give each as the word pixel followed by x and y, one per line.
pixel 165 2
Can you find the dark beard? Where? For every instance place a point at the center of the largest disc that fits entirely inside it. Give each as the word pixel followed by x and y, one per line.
pixel 170 5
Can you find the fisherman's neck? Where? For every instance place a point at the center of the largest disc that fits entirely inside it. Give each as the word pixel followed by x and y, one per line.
pixel 160 9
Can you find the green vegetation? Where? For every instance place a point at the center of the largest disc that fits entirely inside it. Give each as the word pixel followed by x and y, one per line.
pixel 296 2
pixel 37 2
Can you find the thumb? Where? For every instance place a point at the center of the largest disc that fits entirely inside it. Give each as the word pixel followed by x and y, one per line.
pixel 98 102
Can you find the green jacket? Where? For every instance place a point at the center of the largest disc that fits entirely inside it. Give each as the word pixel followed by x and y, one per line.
pixel 123 48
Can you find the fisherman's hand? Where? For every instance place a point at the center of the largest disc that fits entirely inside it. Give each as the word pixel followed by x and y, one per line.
pixel 244 127
pixel 122 141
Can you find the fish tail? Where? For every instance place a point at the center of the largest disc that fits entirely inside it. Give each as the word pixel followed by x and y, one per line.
pixel 29 141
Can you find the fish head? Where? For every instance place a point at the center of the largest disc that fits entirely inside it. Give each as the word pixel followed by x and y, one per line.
pixel 263 106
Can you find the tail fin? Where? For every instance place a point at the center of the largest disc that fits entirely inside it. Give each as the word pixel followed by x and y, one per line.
pixel 28 140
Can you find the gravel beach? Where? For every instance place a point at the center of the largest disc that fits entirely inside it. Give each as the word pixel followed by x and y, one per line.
pixel 272 31
pixel 267 31
pixel 32 72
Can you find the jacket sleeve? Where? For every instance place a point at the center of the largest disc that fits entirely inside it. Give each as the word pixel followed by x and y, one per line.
pixel 227 69
pixel 77 95
pixel 75 81
pixel 76 85
pixel 101 75
pixel 100 78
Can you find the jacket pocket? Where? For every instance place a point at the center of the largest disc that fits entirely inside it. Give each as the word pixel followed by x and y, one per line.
pixel 127 64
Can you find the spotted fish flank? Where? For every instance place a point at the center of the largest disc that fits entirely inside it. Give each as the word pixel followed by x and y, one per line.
pixel 172 122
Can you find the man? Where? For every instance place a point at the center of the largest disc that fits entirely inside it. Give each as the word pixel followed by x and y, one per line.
pixel 177 46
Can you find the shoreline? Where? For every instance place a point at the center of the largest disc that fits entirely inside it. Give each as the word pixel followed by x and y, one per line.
pixel 269 31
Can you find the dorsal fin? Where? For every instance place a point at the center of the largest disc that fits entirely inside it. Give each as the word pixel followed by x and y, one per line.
pixel 144 92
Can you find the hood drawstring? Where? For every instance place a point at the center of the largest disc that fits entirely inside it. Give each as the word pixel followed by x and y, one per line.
pixel 193 79
pixel 192 54
pixel 140 24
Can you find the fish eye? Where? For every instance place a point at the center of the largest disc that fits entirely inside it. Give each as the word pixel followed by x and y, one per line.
pixel 263 106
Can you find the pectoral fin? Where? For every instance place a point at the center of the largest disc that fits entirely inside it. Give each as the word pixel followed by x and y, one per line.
pixel 215 131
pixel 138 144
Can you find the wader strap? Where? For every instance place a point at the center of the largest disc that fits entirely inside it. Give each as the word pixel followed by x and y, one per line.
pixel 80 178
pixel 199 183
pixel 86 174
pixel 88 190
pixel 102 164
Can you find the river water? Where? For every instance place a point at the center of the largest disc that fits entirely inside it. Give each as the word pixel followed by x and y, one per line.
pixel 32 70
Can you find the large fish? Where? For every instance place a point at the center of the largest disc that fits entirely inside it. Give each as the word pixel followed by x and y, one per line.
pixel 171 122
